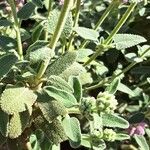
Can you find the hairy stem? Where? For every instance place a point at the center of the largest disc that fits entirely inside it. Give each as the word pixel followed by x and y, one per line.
pixel 101 20
pixel 77 12
pixel 17 28
pixel 114 31
pixel 109 80
pixel 60 24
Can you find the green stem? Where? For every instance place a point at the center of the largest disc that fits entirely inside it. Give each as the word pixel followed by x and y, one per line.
pixel 114 31
pixel 17 28
pixel 73 111
pixel 101 20
pixel 109 80
pixel 77 12
pixel 60 24
pixel 120 23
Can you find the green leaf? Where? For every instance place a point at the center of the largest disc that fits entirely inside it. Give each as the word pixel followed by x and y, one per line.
pixel 123 88
pixel 25 35
pixel 4 121
pixel 2 139
pixel 83 53
pixel 123 41
pixel 50 108
pixel 112 88
pixel 6 63
pixel 112 120
pixel 141 141
pixel 5 22
pixel 86 33
pixel 38 3
pixel 54 131
pixel 59 83
pixel 66 98
pixel 73 70
pixel 121 137
pixel 18 123
pixel 37 31
pixel 17 99
pixel 61 64
pixel 76 85
pixel 86 142
pixel 132 57
pixel 7 43
pixel 37 54
pixel 72 130
pixel 26 11
pixel 52 22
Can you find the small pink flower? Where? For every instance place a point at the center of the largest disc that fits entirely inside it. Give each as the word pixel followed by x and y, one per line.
pixel 138 129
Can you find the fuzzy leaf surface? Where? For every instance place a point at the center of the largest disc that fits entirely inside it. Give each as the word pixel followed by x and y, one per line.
pixel 6 63
pixel 86 33
pixel 4 121
pixel 26 11
pixel 111 120
pixel 72 130
pixel 141 141
pixel 17 99
pixel 123 41
pixel 17 124
pixel 75 83
pixel 54 131
pixel 66 98
pixel 51 109
pixel 61 64
pixel 59 83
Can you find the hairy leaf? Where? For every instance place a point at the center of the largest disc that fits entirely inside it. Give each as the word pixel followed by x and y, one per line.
pixel 141 142
pixel 52 22
pixel 18 123
pixel 26 11
pixel 72 130
pixel 75 83
pixel 54 131
pixel 59 83
pixel 5 22
pixel 121 136
pixel 2 139
pixel 37 31
pixel 17 99
pixel 7 43
pixel 112 88
pixel 66 98
pixel 123 41
pixel 112 120
pixel 86 33
pixel 61 64
pixel 37 54
pixel 74 70
pixel 6 63
pixel 4 121
pixel 123 88
pixel 83 54
pixel 50 108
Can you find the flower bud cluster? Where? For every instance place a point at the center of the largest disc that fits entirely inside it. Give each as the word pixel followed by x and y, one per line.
pixel 109 135
pixel 87 106
pixel 106 134
pixel 106 103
